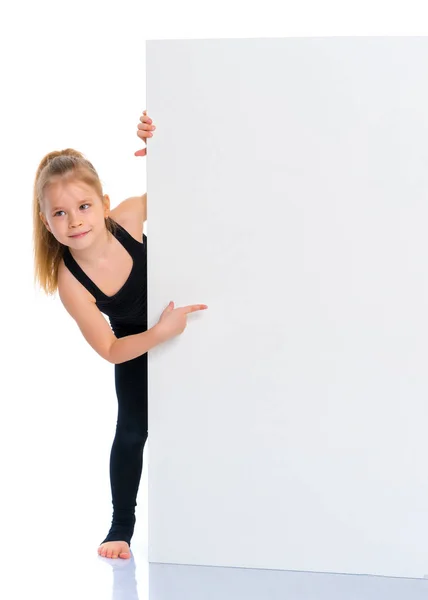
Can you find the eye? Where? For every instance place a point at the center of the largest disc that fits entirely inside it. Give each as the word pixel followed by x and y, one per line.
pixel 60 211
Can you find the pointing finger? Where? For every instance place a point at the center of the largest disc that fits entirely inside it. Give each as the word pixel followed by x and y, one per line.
pixel 195 307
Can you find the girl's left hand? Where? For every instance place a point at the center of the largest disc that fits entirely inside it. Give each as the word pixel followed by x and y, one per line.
pixel 145 129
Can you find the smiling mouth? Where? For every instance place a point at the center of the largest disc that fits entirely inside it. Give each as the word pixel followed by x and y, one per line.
pixel 80 234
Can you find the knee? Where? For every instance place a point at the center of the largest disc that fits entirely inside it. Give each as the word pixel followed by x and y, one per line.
pixel 131 437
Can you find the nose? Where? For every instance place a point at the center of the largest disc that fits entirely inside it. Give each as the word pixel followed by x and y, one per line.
pixel 75 221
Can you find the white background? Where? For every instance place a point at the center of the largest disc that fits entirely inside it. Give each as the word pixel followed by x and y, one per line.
pixel 75 77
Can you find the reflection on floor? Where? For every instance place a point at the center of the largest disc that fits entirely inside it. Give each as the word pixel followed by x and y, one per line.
pixel 180 582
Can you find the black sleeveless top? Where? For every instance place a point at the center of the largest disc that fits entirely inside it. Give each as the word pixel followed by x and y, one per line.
pixel 127 309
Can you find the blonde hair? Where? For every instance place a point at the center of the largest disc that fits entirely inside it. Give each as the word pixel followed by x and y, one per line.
pixel 48 252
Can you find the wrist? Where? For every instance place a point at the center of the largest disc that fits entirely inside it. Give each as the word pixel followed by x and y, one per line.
pixel 159 333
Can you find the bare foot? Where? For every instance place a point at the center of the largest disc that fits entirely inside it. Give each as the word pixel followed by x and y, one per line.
pixel 114 550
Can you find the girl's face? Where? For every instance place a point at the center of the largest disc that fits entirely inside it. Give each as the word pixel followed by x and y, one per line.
pixel 71 208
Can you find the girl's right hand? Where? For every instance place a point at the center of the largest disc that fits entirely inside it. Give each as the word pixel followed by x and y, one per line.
pixel 173 321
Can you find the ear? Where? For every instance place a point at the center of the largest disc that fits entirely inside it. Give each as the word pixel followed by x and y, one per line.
pixel 106 205
pixel 43 218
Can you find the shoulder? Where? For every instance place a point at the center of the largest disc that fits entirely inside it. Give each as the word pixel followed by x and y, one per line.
pixel 69 286
pixel 132 225
pixel 130 214
pixel 82 307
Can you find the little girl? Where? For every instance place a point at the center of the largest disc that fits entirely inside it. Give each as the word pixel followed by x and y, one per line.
pixel 96 259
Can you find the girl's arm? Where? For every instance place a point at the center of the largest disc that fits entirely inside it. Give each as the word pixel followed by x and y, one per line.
pixel 95 328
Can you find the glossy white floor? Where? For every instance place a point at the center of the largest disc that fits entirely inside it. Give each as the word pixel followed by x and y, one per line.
pixel 57 557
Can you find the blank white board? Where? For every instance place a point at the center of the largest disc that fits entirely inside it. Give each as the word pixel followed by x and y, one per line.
pixel 287 189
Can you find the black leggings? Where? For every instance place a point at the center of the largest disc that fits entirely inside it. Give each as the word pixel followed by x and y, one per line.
pixel 126 458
